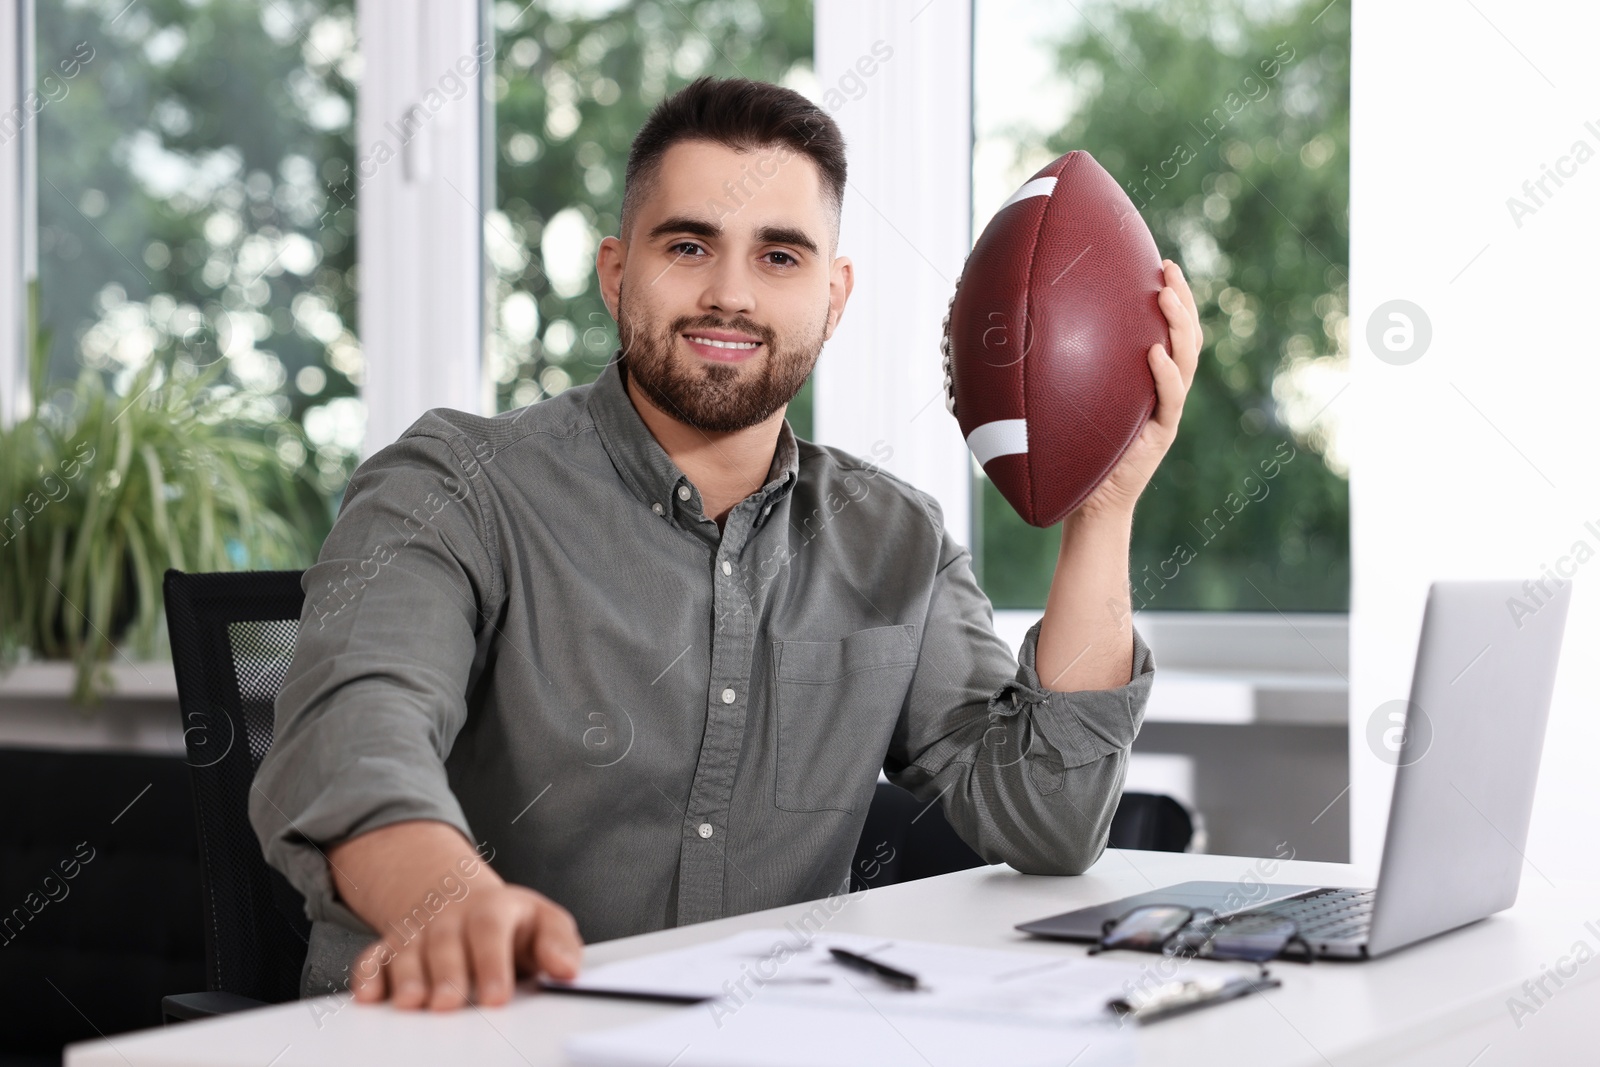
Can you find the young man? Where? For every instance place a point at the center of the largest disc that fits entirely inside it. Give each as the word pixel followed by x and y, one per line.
pixel 647 650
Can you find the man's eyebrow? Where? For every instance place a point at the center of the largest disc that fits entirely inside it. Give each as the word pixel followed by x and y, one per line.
pixel 685 224
pixel 710 231
pixel 786 235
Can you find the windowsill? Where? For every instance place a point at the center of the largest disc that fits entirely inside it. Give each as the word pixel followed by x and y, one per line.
pixel 139 715
pixel 55 678
pixel 1230 698
pixel 1223 669
pixel 1236 668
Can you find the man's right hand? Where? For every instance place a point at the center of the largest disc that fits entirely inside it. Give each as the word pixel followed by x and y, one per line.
pixel 485 935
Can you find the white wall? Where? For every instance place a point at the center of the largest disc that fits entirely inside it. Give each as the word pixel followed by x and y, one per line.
pixel 906 228
pixel 1477 459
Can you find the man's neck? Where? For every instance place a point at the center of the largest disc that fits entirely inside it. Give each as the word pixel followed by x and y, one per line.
pixel 725 467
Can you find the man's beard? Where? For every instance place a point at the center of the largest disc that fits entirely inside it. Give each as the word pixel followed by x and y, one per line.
pixel 711 396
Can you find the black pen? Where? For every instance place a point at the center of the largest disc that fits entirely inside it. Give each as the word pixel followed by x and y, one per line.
pixel 897 978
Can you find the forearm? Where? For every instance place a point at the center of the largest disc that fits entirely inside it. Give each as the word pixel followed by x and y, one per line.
pixel 1027 775
pixel 1086 637
pixel 383 875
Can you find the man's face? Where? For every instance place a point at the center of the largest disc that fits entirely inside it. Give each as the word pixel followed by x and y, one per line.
pixel 731 247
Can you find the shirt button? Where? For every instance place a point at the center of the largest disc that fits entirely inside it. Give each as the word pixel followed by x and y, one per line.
pixel 658 509
pixel 727 696
pixel 766 511
pixel 683 492
pixel 705 829
pixel 727 568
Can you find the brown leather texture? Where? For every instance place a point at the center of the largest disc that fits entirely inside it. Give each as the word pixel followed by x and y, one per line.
pixel 1051 321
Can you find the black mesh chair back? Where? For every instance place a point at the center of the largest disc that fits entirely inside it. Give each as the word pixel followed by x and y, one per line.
pixel 905 839
pixel 1154 822
pixel 233 635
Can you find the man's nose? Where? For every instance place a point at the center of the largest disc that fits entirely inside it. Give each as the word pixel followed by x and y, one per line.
pixel 729 288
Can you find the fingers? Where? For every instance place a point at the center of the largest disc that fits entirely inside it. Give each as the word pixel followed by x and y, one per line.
pixel 1175 279
pixel 1171 389
pixel 408 979
pixel 473 952
pixel 489 934
pixel 1185 333
pixel 1183 321
pixel 369 982
pixel 445 951
pixel 558 948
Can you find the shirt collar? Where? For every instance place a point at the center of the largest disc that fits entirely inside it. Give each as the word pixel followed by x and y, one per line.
pixel 645 466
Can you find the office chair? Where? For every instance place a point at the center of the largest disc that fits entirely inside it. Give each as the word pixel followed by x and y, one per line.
pixel 905 839
pixel 1154 822
pixel 233 636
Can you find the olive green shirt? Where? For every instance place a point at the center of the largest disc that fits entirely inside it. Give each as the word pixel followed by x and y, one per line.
pixel 525 626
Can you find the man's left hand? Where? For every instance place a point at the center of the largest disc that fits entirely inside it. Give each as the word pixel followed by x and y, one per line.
pixel 1173 373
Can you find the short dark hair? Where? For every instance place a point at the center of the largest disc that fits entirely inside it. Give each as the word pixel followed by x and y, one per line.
pixel 740 114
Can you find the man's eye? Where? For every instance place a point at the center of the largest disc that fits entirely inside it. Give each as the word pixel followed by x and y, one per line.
pixel 785 260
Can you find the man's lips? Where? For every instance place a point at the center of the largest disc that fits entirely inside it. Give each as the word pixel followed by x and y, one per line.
pixel 721 346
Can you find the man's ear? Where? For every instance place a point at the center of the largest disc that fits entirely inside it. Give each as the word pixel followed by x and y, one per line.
pixel 609 260
pixel 841 279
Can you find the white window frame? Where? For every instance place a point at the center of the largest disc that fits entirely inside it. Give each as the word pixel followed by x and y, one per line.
pixel 18 261
pixel 421 216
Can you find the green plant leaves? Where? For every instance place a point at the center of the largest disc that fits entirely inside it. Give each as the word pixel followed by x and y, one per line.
pixel 106 491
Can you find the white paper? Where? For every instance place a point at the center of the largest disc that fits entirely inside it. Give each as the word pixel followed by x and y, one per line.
pixel 775 1030
pixel 780 998
pixel 953 977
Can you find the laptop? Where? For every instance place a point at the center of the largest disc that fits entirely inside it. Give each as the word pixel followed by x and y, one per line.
pixel 1466 750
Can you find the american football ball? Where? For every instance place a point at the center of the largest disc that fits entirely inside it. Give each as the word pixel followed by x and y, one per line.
pixel 1046 339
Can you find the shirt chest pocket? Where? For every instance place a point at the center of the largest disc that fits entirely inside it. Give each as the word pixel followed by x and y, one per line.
pixel 837 703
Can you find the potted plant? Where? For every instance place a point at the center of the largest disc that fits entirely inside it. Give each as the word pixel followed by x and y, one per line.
pixel 103 491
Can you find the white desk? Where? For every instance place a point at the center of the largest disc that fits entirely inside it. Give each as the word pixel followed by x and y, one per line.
pixel 1442 1002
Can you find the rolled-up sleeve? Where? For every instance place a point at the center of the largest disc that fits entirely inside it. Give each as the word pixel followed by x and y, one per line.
pixel 1027 775
pixel 388 641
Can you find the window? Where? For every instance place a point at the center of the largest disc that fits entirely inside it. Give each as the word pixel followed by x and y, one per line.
pixel 1229 127
pixel 198 182
pixel 572 85
pixel 188 160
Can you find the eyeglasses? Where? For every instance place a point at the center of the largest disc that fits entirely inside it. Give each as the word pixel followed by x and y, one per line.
pixel 1173 930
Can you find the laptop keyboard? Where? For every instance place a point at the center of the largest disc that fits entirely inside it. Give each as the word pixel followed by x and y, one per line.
pixel 1327 915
